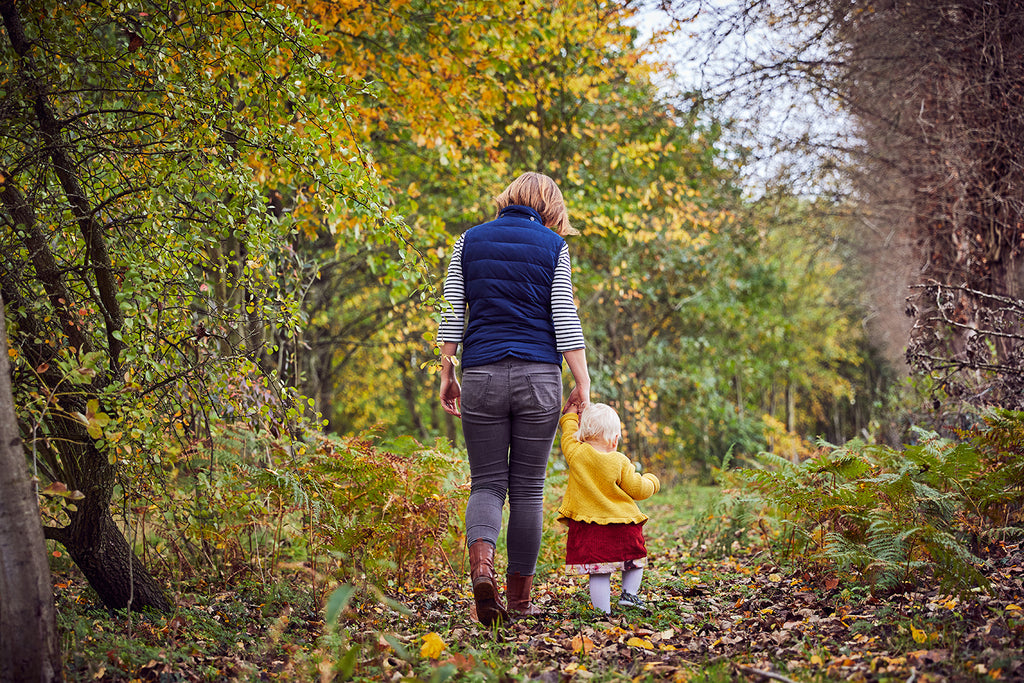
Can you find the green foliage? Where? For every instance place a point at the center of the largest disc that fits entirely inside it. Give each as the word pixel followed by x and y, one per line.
pixel 343 509
pixel 888 515
pixel 184 123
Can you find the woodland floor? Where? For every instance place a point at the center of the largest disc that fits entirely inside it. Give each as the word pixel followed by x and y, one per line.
pixel 735 618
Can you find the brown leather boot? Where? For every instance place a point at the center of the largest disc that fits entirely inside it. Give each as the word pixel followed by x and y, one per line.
pixel 518 588
pixel 489 609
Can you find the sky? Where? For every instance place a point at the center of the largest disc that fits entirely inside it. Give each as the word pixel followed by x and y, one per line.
pixel 705 56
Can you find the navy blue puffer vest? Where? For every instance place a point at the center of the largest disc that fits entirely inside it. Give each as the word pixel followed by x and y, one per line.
pixel 508 265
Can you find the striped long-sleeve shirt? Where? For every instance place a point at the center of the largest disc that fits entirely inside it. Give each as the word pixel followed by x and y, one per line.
pixel 568 330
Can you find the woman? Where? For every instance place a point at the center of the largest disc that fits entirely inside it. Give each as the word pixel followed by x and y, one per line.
pixel 512 278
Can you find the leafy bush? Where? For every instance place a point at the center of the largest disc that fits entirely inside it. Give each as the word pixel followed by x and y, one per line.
pixel 337 509
pixel 890 515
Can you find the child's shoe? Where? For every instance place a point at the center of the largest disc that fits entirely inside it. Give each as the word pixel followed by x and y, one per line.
pixel 634 601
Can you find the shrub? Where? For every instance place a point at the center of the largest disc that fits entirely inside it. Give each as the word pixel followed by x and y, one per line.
pixel 890 515
pixel 338 509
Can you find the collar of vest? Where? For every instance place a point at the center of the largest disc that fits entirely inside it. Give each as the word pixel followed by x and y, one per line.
pixel 520 211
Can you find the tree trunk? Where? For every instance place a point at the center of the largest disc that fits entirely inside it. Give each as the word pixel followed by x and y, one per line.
pixel 92 538
pixel 100 550
pixel 791 416
pixel 410 392
pixel 29 649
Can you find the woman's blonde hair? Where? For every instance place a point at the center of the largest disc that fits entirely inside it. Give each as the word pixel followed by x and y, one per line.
pixel 599 421
pixel 539 192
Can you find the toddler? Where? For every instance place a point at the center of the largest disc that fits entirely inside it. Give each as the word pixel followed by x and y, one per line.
pixel 605 524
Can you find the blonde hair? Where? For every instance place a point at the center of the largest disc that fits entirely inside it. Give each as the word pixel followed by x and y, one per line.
pixel 539 192
pixel 599 421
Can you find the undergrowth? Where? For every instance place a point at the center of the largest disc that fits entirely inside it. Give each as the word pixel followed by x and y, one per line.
pixel 364 511
pixel 295 562
pixel 887 517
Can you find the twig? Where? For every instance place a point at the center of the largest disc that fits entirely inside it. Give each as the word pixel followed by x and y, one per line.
pixel 1011 302
pixel 448 562
pixel 913 675
pixel 766 674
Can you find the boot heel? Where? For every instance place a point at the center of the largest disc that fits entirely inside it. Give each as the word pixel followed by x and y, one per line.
pixel 489 609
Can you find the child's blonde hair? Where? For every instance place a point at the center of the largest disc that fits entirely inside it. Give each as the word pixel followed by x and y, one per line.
pixel 599 421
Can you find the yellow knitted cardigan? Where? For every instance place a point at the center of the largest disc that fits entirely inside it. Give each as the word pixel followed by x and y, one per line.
pixel 603 487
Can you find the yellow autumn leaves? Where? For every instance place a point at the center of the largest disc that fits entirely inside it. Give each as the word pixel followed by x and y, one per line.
pixel 583 644
pixel 433 646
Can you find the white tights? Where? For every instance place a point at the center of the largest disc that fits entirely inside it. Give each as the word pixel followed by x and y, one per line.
pixel 601 587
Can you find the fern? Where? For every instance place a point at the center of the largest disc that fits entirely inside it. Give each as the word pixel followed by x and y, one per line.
pixel 774 461
pixel 893 516
pixel 958 565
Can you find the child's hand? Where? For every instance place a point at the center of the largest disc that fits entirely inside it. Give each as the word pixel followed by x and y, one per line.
pixel 571 408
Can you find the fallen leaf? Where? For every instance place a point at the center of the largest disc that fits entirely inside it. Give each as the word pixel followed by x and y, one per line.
pixel 582 644
pixel 433 646
pixel 640 642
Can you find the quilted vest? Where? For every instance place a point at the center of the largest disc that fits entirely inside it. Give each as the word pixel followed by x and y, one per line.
pixel 508 265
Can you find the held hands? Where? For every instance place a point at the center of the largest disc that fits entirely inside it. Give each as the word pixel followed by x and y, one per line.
pixel 578 400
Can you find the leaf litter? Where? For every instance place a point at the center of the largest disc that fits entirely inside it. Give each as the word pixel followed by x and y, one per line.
pixel 740 616
pixel 745 616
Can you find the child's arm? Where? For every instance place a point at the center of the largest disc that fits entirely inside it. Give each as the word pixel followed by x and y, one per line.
pixel 570 424
pixel 638 486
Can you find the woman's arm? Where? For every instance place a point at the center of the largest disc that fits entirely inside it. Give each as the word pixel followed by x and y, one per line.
pixel 453 320
pixel 580 394
pixel 451 392
pixel 568 331
pixel 450 331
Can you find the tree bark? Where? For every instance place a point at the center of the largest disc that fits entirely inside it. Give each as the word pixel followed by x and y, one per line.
pixel 29 649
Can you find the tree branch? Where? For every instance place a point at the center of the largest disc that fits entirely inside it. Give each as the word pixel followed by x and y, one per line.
pixel 42 258
pixel 65 169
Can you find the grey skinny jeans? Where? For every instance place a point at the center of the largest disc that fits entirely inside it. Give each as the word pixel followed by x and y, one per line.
pixel 510 412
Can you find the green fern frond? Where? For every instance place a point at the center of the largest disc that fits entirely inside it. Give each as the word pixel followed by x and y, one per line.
pixel 955 564
pixel 845 553
pixel 1003 533
pixel 770 460
pixel 934 502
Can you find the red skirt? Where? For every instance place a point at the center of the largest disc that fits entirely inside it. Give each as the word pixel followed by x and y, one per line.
pixel 589 543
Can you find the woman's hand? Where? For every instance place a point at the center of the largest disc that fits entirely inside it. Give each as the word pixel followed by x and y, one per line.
pixel 578 399
pixel 580 394
pixel 451 392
